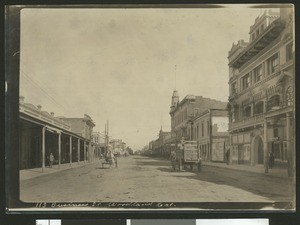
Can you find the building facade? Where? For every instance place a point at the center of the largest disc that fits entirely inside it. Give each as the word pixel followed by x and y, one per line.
pixel 183 112
pixel 210 130
pixel 84 128
pixel 261 92
pixel 41 133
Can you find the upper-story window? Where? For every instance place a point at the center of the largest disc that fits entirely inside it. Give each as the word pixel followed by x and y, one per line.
pixel 202 129
pixel 257 32
pixel 233 88
pixel 257 72
pixel 273 102
pixel 289 96
pixel 259 107
pixel 207 128
pixel 273 63
pixel 253 36
pixel 245 81
pixel 247 111
pixel 262 28
pixel 289 51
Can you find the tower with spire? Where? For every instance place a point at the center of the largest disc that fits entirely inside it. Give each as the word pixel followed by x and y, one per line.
pixel 175 99
pixel 175 96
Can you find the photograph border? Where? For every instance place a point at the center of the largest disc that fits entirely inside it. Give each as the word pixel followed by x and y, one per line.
pixel 12 43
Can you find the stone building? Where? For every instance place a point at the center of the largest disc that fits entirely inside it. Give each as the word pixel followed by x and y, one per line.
pixel 261 92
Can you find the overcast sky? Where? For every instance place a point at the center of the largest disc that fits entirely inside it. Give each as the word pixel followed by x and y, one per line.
pixel 118 64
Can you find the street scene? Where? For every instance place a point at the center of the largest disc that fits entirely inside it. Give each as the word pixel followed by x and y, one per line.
pixel 146 179
pixel 157 105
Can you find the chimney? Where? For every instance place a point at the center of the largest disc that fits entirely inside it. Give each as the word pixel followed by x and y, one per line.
pixel 39 107
pixel 52 114
pixel 21 99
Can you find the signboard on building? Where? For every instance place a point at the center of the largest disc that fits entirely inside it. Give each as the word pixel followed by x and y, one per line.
pixel 221 122
pixel 218 150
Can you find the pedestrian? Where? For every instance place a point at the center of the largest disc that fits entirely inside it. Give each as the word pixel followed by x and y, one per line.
pixel 271 159
pixel 51 160
pixel 227 156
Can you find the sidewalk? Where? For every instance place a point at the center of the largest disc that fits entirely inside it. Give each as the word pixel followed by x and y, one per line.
pixel 276 172
pixel 36 172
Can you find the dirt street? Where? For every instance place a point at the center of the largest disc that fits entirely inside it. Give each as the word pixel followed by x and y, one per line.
pixel 143 179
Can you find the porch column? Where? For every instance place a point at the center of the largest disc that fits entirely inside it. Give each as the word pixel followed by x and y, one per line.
pixel 78 150
pixel 84 152
pixel 43 148
pixel 59 149
pixel 288 145
pixel 70 150
pixel 266 158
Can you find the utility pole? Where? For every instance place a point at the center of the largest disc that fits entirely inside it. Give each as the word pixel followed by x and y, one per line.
pixel 107 133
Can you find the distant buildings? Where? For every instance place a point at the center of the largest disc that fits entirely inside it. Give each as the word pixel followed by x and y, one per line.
pixel 261 85
pixel 160 146
pixel 118 146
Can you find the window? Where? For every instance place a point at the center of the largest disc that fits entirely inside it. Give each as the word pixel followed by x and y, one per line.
pixel 259 107
pixel 257 32
pixel 262 28
pixel 208 128
pixel 290 96
pixel 247 111
pixel 233 88
pixel 257 73
pixel 274 63
pixel 289 51
pixel 232 116
pixel 245 81
pixel 202 129
pixel 253 36
pixel 275 132
pixel 274 102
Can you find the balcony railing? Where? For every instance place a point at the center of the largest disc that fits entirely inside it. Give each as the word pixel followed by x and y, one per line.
pixel 249 121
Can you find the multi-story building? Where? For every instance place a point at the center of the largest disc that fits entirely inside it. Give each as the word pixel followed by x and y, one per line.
pixel 261 86
pixel 183 112
pixel 84 128
pixel 210 130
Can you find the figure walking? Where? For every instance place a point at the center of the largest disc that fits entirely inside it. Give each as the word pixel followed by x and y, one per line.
pixel 51 160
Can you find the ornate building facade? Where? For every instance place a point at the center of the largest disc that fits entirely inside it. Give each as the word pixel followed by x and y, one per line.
pixel 261 93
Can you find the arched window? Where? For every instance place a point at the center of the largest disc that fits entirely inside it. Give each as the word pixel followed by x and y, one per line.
pixel 290 96
pixel 259 107
pixel 247 111
pixel 274 102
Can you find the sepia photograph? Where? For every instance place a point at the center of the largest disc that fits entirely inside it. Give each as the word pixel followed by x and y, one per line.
pixel 166 107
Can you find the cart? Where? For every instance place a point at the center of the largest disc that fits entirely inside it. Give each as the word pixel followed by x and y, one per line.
pixel 187 155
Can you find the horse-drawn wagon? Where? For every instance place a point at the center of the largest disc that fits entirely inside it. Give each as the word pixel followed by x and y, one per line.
pixel 186 154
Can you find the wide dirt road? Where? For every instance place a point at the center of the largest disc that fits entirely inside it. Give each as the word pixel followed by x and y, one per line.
pixel 143 179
